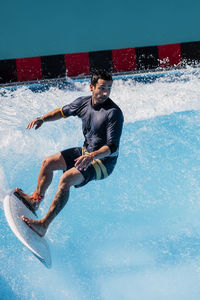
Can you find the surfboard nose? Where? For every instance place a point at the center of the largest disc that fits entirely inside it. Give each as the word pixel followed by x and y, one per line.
pixel 14 209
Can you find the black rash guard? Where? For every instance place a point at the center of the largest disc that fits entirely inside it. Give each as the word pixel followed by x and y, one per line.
pixel 101 124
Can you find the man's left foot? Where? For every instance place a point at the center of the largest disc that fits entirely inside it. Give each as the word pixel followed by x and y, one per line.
pixel 36 225
pixel 27 199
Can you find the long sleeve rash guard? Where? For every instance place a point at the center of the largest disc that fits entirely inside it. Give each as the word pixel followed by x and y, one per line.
pixel 101 124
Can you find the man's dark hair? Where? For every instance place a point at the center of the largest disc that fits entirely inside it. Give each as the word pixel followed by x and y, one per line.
pixel 100 74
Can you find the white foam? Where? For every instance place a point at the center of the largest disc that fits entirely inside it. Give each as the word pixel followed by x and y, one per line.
pixel 141 101
pixel 137 100
pixel 21 151
pixel 3 185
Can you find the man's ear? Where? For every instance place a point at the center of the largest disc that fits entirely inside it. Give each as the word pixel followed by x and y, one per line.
pixel 91 87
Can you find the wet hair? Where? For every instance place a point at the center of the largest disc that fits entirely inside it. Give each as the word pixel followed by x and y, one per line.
pixel 100 74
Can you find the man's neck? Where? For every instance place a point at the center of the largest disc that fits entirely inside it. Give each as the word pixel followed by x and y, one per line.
pixel 97 104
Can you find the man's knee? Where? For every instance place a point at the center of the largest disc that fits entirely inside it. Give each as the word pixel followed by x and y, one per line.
pixel 66 181
pixel 54 162
pixel 70 178
pixel 46 163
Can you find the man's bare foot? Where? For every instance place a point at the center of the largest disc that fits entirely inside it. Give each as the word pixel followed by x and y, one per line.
pixel 36 225
pixel 28 199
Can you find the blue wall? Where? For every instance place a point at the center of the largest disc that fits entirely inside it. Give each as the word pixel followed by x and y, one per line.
pixel 36 28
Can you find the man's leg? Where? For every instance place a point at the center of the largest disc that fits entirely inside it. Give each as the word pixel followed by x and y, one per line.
pixel 69 178
pixel 49 164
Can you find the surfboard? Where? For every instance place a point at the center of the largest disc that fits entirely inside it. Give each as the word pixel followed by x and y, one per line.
pixel 14 208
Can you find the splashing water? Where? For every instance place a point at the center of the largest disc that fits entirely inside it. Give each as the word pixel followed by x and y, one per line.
pixel 135 235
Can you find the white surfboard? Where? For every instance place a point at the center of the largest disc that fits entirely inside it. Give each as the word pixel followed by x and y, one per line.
pixel 14 208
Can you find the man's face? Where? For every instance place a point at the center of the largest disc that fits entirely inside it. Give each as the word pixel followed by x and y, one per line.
pixel 101 91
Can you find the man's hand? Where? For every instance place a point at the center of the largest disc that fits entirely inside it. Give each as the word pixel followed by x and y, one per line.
pixel 83 161
pixel 36 122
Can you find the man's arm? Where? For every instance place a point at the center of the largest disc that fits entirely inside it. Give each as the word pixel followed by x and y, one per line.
pixel 101 153
pixel 84 161
pixel 51 116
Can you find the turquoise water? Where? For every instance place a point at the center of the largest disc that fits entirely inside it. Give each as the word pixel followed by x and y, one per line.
pixel 133 236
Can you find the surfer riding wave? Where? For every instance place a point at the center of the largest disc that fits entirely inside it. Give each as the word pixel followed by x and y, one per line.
pixel 102 122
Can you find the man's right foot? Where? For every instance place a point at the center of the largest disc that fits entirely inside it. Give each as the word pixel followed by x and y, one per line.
pixel 36 225
pixel 27 199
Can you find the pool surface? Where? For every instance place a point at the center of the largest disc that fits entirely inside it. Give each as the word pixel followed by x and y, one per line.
pixel 133 236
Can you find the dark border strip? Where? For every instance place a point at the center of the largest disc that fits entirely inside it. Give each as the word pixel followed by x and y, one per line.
pixel 8 71
pixel 191 53
pixel 53 66
pixel 115 61
pixel 101 60
pixel 147 58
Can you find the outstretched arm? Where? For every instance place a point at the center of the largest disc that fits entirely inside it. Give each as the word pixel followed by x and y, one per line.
pixel 51 116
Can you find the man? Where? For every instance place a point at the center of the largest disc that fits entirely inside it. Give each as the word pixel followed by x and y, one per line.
pixel 102 122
